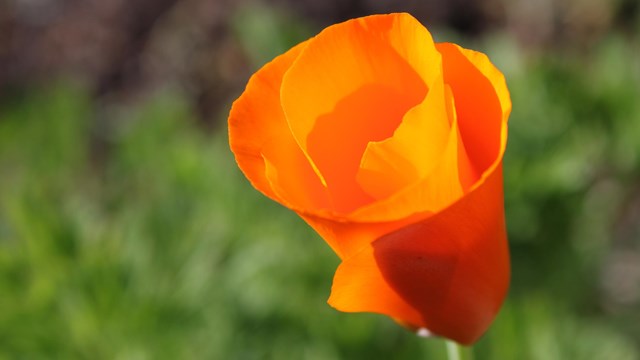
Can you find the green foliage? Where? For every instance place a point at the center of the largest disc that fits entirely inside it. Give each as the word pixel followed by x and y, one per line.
pixel 159 250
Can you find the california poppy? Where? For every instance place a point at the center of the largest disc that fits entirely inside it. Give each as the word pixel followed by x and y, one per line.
pixel 390 146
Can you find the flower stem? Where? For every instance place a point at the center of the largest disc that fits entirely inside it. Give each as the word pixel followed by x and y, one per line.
pixel 453 350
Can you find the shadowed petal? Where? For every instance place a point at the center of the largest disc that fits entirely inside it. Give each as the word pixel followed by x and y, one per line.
pixel 451 270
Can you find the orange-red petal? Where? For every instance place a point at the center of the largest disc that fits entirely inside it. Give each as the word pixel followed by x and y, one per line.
pixel 448 273
pixel 482 102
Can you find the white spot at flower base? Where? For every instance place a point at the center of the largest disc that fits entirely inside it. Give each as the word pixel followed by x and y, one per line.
pixel 424 332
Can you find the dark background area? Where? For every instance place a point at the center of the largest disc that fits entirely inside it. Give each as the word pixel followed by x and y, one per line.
pixel 126 230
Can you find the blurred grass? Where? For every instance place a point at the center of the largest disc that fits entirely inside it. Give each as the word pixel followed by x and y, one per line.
pixel 138 238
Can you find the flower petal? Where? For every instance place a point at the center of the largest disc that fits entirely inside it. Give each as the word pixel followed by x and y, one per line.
pixel 412 152
pixel 448 273
pixel 482 107
pixel 434 192
pixel 347 238
pixel 262 143
pixel 290 175
pixel 482 102
pixel 352 84
pixel 452 176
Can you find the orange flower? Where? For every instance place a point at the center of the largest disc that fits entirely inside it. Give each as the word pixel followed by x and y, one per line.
pixel 390 147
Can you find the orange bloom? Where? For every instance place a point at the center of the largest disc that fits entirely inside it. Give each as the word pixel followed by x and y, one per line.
pixel 390 146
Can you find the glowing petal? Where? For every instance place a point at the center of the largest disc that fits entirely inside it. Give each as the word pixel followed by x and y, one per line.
pixel 439 189
pixel 412 152
pixel 264 148
pixel 352 85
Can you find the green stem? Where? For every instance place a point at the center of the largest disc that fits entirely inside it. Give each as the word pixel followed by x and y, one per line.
pixel 453 350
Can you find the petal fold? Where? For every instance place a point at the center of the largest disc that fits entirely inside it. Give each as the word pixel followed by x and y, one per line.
pixel 263 145
pixel 414 149
pixel 445 184
pixel 448 273
pixel 353 84
pixel 482 102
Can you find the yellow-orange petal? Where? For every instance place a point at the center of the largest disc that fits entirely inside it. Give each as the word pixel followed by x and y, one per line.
pixel 434 192
pixel 262 143
pixel 347 238
pixel 413 151
pixel 291 176
pixel 447 182
pixel 482 106
pixel 351 85
pixel 448 273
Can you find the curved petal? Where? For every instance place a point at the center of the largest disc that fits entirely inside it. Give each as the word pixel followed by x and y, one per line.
pixel 351 85
pixel 348 238
pixel 482 99
pixel 448 273
pixel 262 143
pixel 482 107
pixel 445 184
pixel 412 152
pixel 448 181
pixel 484 65
pixel 290 175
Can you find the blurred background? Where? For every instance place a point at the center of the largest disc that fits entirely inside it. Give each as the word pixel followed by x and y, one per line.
pixel 127 231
